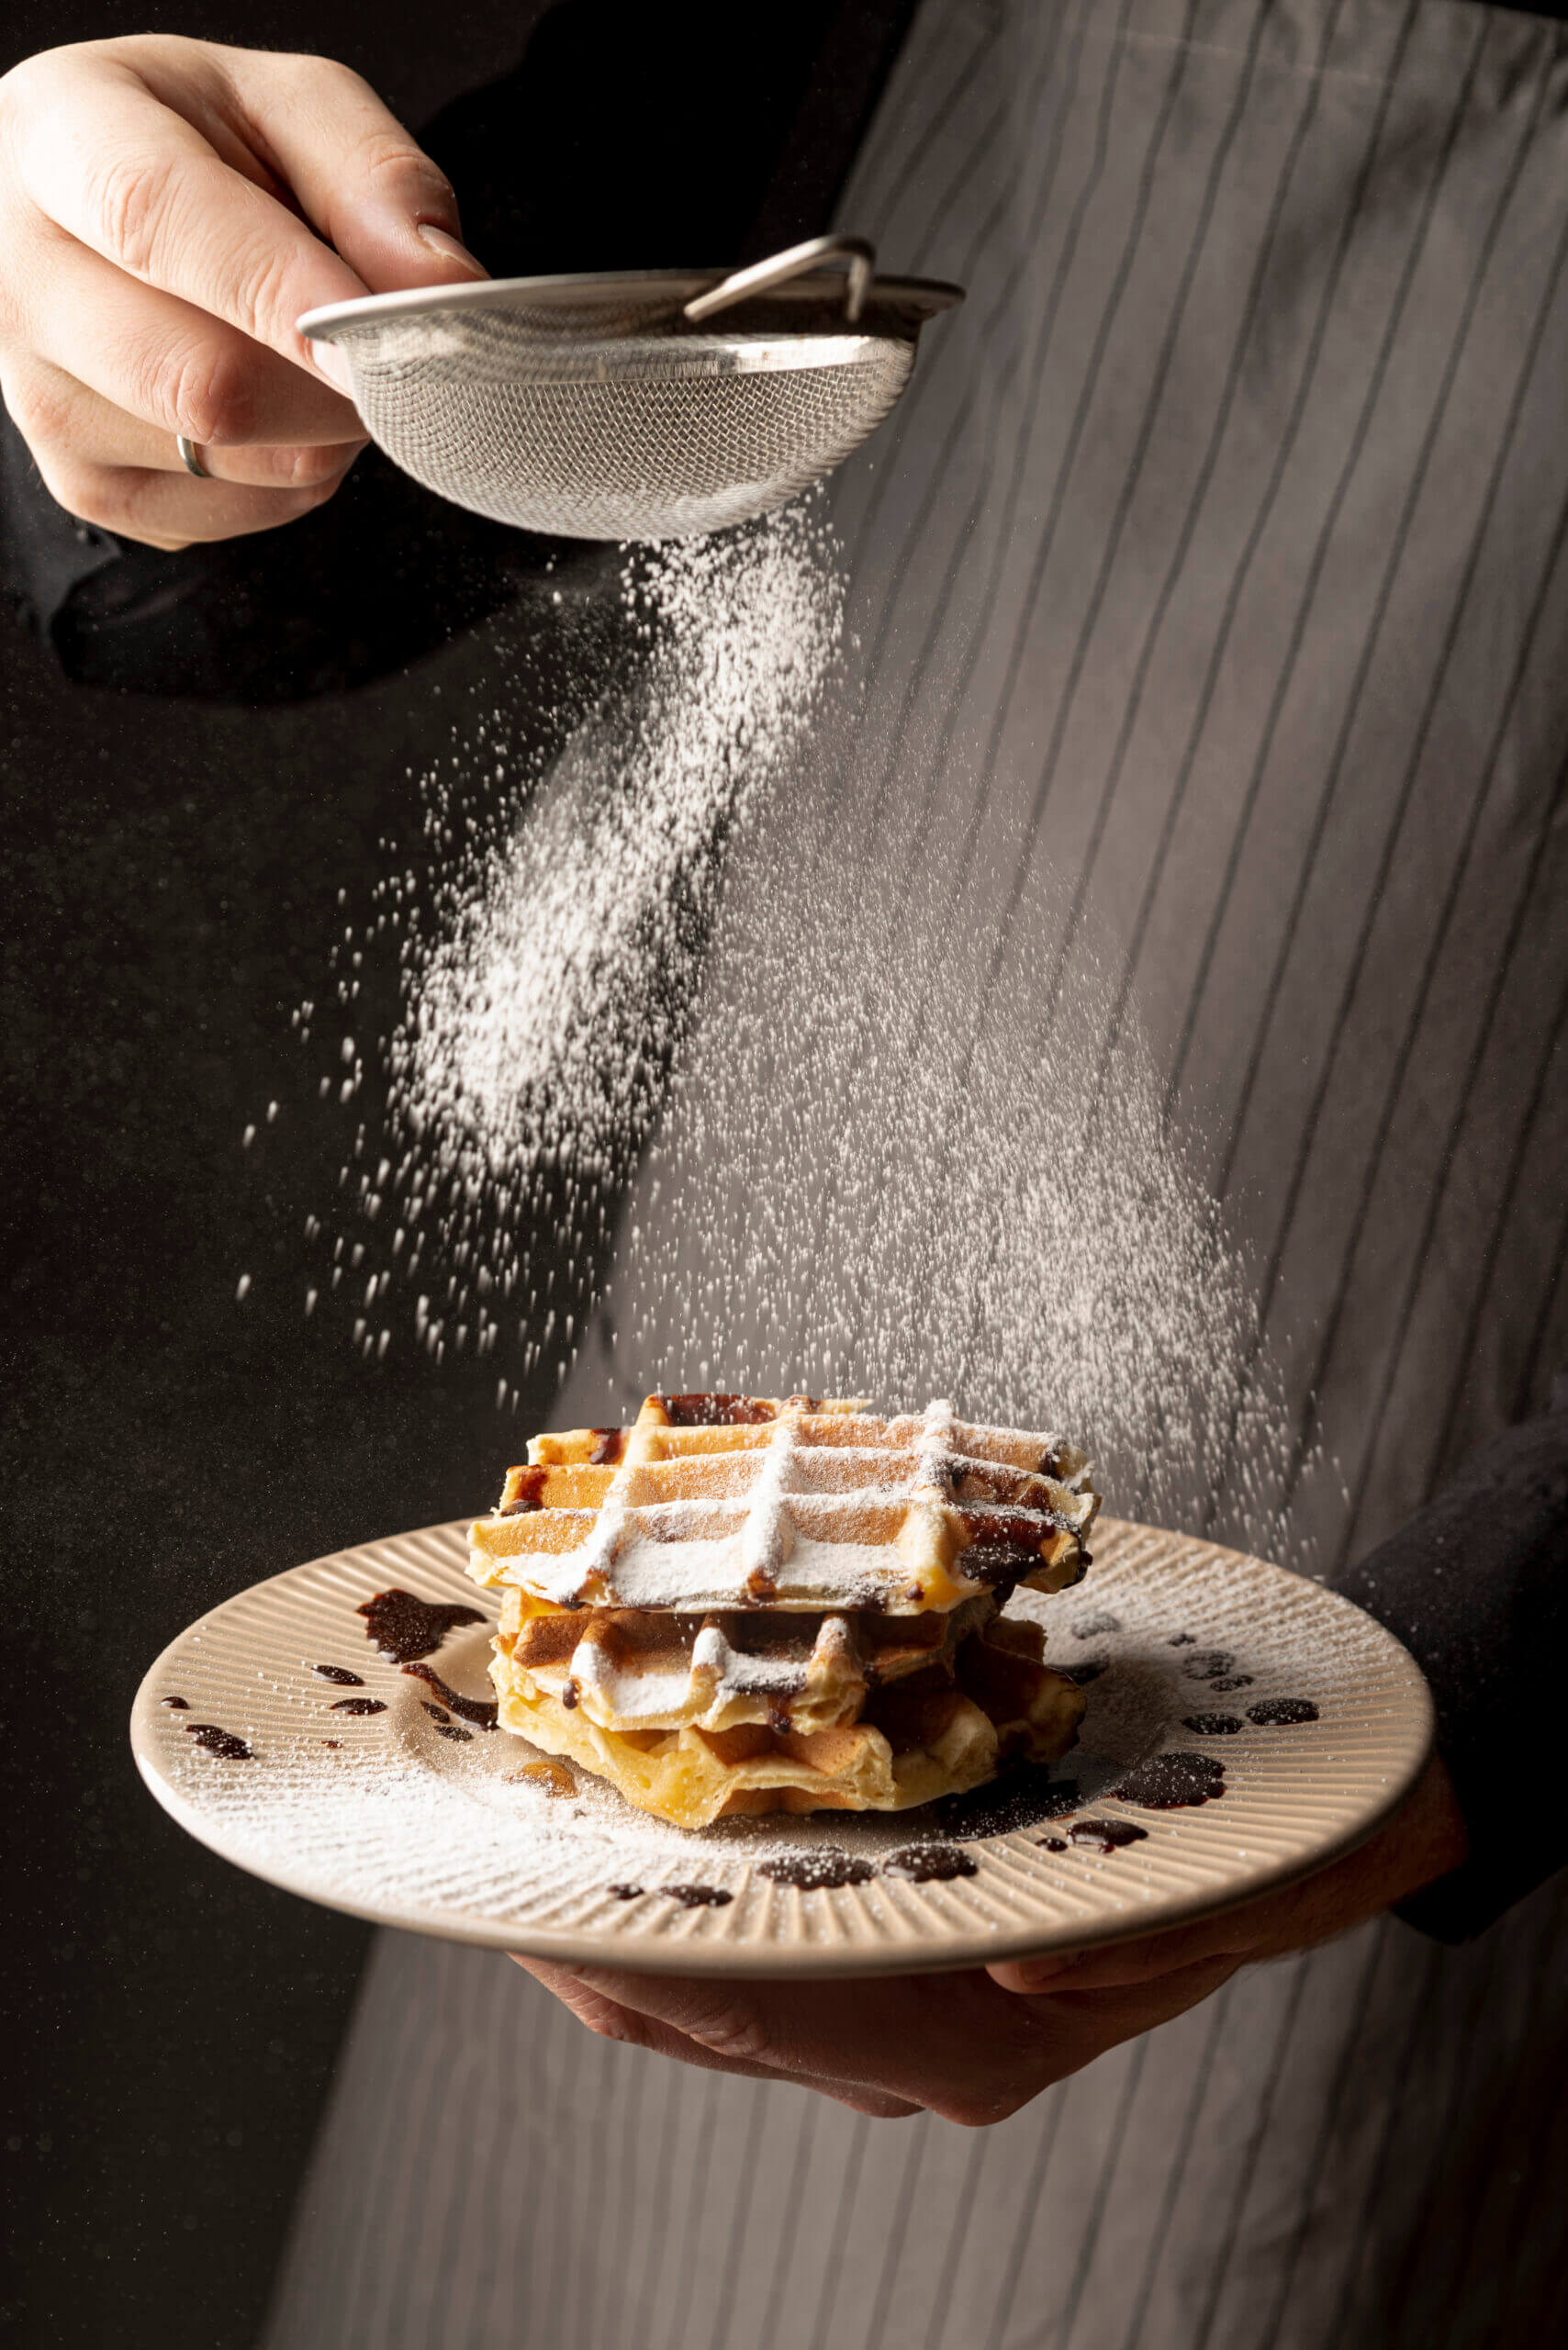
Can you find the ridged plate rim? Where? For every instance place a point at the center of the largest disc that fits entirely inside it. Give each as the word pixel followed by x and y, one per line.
pixel 1296 1797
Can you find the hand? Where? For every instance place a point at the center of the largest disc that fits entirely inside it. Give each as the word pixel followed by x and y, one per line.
pixel 168 209
pixel 974 2047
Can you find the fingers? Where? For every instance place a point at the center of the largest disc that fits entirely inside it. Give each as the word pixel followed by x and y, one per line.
pixel 1236 1936
pixel 609 2020
pixel 953 2043
pixel 169 208
pixel 109 469
pixel 171 512
pixel 958 2045
pixel 1312 1910
pixel 103 145
pixel 1233 1934
pixel 975 2047
pixel 132 180
pixel 160 360
pixel 1424 1840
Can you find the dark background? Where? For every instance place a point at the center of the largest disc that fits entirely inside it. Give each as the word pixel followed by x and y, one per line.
pixel 196 757
pixel 172 884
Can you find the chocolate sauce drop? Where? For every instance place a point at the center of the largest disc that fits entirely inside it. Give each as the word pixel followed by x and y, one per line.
pixel 360 1706
pixel 1277 1712
pixel 1052 1843
pixel 482 1712
pixel 437 1713
pixel 1022 1798
pixel 451 1730
pixel 697 1896
pixel 1106 1835
pixel 404 1625
pixel 529 1493
pixel 818 1872
pixel 995 1566
pixel 625 1892
pixel 339 1675
pixel 569 1695
pixel 1173 1781
pixel 989 1529
pixel 927 1863
pixel 331 1741
pixel 608 1447
pixel 1183 1640
pixel 219 1741
pixel 1226 1682
pixel 180 1704
pixel 1212 1725
pixel 1089 1628
pixel 1207 1664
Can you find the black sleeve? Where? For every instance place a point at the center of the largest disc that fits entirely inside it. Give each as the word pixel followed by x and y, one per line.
pixel 1476 1586
pixel 351 593
pixel 45 554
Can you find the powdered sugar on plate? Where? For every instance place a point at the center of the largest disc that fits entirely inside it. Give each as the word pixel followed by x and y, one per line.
pixel 400 1821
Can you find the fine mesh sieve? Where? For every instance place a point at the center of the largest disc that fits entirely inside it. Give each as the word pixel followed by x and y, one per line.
pixel 605 407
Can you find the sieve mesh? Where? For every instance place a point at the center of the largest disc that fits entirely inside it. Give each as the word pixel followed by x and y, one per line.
pixel 609 407
pixel 645 438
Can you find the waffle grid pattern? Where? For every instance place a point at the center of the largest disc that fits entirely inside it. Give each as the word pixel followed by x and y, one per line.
pixel 716 1502
pixel 744 1605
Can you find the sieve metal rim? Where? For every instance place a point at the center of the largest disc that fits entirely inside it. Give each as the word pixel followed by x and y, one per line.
pixel 646 358
pixel 915 298
pixel 428 365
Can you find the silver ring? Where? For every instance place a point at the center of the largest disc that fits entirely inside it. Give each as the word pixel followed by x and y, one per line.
pixel 190 457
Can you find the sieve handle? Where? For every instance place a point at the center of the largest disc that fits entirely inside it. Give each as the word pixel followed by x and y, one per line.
pixel 763 275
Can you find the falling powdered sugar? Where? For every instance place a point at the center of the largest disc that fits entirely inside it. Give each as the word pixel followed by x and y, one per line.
pixel 910 1138
pixel 915 1144
pixel 548 974
pixel 541 1012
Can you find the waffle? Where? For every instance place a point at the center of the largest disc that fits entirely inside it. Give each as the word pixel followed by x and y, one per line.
pixel 724 1502
pixel 748 1603
pixel 643 1669
pixel 939 1732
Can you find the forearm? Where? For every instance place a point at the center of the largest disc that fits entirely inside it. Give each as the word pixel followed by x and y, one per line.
pixel 1476 1586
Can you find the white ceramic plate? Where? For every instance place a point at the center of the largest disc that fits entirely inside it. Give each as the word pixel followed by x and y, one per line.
pixel 404 1822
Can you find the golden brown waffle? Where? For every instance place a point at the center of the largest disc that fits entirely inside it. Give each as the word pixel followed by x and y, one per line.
pixel 927 1735
pixel 724 1502
pixel 747 1604
pixel 643 1669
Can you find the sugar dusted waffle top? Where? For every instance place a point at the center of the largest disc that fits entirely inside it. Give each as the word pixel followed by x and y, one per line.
pixel 722 1502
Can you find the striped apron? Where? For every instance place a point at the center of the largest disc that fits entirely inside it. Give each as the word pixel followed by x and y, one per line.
pixel 1208 583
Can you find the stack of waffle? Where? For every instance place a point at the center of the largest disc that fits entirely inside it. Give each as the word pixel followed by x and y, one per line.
pixel 746 1604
